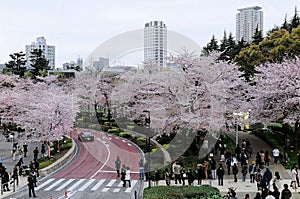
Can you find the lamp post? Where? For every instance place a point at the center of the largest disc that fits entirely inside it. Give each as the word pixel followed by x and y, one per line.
pixel 236 115
pixel 148 121
pixel 249 117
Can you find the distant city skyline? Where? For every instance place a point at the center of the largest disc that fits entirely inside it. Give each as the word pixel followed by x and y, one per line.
pixel 76 27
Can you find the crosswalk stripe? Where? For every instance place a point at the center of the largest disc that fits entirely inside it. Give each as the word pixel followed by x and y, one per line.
pixel 44 184
pixel 54 184
pixel 64 185
pixel 86 185
pixel 120 184
pixel 129 189
pixel 111 183
pixel 105 190
pixel 76 184
pixel 116 190
pixel 98 185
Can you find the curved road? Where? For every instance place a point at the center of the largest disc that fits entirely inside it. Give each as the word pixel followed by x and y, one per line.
pixel 92 173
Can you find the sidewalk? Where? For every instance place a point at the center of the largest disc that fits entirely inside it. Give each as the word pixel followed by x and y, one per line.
pixel 5 154
pixel 244 187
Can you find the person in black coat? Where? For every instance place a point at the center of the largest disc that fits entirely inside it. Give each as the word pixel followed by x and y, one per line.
pixel 235 171
pixel 31 184
pixel 5 180
pixel 220 174
pixel 190 177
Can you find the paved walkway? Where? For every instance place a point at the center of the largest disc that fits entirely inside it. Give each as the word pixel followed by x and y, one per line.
pixel 5 154
pixel 245 187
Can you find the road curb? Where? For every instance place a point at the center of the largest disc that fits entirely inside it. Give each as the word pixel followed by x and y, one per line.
pixel 61 161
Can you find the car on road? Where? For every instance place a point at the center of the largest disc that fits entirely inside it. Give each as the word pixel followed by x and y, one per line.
pixel 85 136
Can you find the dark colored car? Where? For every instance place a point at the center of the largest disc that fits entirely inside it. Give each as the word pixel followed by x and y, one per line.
pixel 85 137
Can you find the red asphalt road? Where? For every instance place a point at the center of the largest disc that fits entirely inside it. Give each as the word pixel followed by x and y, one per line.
pixel 97 159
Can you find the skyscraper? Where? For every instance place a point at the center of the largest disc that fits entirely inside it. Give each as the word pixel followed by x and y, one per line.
pixel 247 20
pixel 155 42
pixel 48 51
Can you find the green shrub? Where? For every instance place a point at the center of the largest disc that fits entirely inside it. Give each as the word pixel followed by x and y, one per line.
pixel 113 131
pixel 182 192
pixel 141 139
pixel 124 134
pixel 130 127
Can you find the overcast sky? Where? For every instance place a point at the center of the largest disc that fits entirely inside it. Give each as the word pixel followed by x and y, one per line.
pixel 77 27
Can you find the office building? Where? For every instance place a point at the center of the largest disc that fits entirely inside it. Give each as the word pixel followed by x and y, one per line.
pixel 155 43
pixel 48 51
pixel 247 20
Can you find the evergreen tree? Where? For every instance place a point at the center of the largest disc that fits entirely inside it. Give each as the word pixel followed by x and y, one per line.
pixel 285 24
pixel 257 37
pixel 211 46
pixel 17 64
pixel 295 22
pixel 38 63
pixel 224 42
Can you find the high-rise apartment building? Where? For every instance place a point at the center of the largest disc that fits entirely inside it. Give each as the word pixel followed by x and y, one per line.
pixel 48 51
pixel 247 20
pixel 155 42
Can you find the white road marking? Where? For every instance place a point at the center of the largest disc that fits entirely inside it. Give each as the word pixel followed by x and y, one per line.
pixel 76 184
pixel 98 185
pixel 64 185
pixel 116 190
pixel 111 183
pixel 54 184
pixel 44 184
pixel 120 184
pixel 86 185
pixel 105 190
pixel 129 189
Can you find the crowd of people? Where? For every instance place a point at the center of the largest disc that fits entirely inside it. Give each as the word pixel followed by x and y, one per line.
pixel 241 165
pixel 30 170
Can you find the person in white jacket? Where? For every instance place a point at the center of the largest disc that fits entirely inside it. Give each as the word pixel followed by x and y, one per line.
pixel 294 177
pixel 127 176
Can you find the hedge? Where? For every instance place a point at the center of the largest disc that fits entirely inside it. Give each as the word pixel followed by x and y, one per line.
pixel 182 192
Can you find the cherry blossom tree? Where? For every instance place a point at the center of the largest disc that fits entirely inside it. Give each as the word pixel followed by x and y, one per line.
pixel 43 109
pixel 275 93
pixel 190 97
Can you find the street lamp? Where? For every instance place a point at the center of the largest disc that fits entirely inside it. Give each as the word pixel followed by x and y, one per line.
pixel 236 115
pixel 148 121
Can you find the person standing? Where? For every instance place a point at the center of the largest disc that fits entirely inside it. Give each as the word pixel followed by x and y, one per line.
pixel 43 149
pixel 5 180
pixel 252 171
pixel 31 184
pixel 235 171
pixel 244 172
pixel 123 174
pixel 167 177
pixel 199 173
pixel 190 177
pixel 267 158
pixel 205 165
pixel 213 168
pixel 286 193
pixel 127 176
pixel 294 177
pixel 182 174
pixel 277 180
pixel 228 164
pixel 35 153
pixel 15 175
pixel 268 177
pixel 220 174
pixel 141 168
pixel 25 149
pixel 276 155
pixel 156 177
pixel 176 170
pixel 118 165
